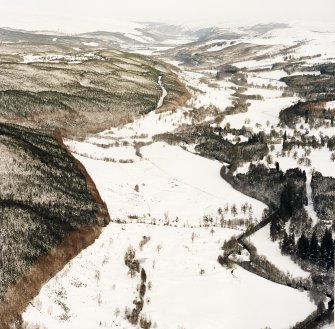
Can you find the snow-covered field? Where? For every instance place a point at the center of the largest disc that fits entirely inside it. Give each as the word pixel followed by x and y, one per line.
pixel 174 186
pixel 188 288
pixel 180 260
pixel 91 44
pixel 208 92
pixel 172 207
pixel 262 114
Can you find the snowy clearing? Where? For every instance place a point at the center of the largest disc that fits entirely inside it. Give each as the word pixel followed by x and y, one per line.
pixel 94 289
pixel 330 105
pixel 262 114
pixel 91 44
pixel 271 250
pixel 208 92
pixel 168 190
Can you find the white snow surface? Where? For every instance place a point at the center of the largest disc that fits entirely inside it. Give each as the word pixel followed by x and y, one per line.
pixel 151 124
pixel 91 44
pixel 211 93
pixel 94 287
pixel 271 250
pixel 260 80
pixel 305 73
pixel 168 189
pixel 261 112
pixel 330 105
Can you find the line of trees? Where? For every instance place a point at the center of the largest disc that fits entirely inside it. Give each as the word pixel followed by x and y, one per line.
pixel 316 250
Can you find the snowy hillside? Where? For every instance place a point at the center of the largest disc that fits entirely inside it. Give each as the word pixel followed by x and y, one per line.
pixel 155 265
pixel 167 164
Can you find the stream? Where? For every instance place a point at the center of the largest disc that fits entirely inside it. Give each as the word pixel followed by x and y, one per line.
pixel 164 92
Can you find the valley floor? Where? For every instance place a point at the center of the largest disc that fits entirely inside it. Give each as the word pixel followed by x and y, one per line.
pixel 188 288
pixel 171 206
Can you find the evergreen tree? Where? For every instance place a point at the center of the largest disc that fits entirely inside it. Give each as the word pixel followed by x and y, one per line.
pixel 276 228
pixel 288 244
pixel 284 244
pixel 321 308
pixel 327 250
pixel 286 207
pixel 303 247
pixel 291 243
pixel 314 248
pixel 273 230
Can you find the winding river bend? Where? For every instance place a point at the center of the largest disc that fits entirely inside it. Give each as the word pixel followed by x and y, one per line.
pixel 164 92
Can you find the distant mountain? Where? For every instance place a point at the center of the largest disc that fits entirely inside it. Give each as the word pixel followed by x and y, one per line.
pixel 145 35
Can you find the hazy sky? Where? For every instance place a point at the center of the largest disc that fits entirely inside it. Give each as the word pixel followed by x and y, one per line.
pixel 81 15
